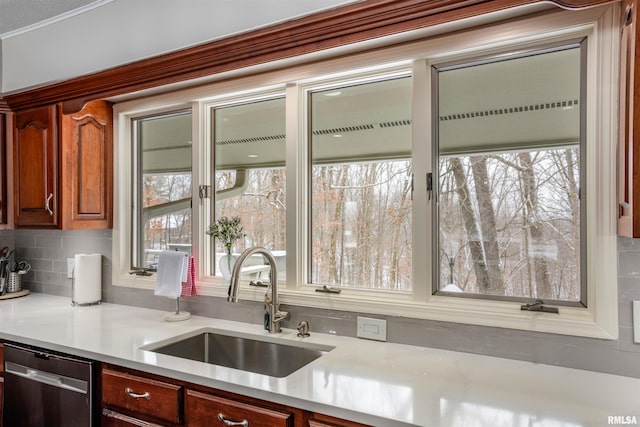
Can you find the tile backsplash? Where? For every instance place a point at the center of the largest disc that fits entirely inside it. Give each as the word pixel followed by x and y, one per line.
pixel 47 252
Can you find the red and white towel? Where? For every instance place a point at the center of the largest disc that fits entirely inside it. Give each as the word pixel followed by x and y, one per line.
pixel 189 287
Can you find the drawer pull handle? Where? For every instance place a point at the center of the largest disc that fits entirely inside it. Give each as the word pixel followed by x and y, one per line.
pixel 48 204
pixel 135 395
pixel 243 423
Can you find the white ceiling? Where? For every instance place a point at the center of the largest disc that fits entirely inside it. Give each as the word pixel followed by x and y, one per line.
pixel 20 14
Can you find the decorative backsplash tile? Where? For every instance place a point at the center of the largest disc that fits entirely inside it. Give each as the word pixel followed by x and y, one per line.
pixel 47 251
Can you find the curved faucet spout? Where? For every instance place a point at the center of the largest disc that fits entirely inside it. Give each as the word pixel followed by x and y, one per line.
pixel 275 315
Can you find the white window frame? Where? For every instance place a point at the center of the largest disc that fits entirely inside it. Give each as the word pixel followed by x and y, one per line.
pixel 599 319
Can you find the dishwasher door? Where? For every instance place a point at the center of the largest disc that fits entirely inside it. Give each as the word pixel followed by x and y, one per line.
pixel 42 388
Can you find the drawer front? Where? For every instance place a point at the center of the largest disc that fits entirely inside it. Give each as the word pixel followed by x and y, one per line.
pixel 205 410
pixel 320 420
pixel 142 395
pixel 114 419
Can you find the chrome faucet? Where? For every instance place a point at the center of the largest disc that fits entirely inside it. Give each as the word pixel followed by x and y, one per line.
pixel 273 307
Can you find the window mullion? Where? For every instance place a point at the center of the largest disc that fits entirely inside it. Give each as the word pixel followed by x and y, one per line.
pixel 422 165
pixel 296 168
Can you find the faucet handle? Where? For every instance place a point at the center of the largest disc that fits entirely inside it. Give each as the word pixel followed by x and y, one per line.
pixel 303 329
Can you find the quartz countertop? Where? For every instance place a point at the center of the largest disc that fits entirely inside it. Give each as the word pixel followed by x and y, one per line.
pixel 381 384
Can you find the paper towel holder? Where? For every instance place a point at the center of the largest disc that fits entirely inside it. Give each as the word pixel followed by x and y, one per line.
pixel 74 295
pixel 80 304
pixel 178 316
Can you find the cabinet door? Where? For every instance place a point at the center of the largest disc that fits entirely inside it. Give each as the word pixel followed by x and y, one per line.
pixel 36 168
pixel 629 140
pixel 206 410
pixel 3 168
pixel 87 167
pixel 1 399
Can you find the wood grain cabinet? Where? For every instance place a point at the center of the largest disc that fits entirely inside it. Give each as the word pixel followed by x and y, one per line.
pixel 205 410
pixel 129 399
pixel 629 140
pixel 35 167
pixel 134 398
pixel 3 167
pixel 87 167
pixel 320 420
pixel 63 167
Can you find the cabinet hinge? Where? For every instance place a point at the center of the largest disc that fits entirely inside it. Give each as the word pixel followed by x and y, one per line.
pixel 429 185
pixel 204 191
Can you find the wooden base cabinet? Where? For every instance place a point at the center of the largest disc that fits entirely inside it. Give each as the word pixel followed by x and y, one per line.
pixel 128 399
pixel 134 398
pixel 116 419
pixel 205 410
pixel 320 420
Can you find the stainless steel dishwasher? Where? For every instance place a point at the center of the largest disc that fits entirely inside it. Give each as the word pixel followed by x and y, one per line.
pixel 45 388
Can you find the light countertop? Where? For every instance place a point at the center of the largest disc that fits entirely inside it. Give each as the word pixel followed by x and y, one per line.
pixel 381 384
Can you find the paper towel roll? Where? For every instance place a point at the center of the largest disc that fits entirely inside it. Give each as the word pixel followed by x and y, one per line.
pixel 87 279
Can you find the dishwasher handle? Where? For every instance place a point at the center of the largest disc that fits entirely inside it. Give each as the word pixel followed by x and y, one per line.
pixel 60 381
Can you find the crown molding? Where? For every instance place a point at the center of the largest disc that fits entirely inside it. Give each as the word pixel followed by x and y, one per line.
pixel 352 23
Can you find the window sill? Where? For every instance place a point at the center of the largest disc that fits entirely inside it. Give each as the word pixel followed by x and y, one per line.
pixel 571 321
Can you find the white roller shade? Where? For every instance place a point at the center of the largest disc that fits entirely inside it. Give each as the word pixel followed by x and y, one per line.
pixel 525 102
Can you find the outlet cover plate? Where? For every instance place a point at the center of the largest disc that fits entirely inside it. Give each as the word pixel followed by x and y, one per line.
pixel 372 329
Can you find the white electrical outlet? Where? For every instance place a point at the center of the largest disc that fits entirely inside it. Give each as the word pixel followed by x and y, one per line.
pixel 636 322
pixel 71 264
pixel 373 329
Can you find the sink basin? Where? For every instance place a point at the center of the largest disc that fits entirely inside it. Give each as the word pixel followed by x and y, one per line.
pixel 238 351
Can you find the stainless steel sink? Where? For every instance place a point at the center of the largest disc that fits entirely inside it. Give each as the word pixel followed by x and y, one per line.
pixel 242 352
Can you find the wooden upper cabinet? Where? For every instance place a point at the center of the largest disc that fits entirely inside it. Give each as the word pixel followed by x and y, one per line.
pixel 629 141
pixel 3 168
pixel 35 167
pixel 63 167
pixel 87 167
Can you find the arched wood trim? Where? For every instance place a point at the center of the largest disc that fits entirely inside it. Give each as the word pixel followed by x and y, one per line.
pixel 357 22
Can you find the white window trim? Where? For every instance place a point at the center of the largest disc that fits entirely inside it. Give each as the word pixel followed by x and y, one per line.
pixel 598 320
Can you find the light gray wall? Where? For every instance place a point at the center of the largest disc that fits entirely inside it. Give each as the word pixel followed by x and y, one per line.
pixel 47 252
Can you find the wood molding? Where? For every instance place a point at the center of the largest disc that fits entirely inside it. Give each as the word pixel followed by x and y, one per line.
pixel 357 22
pixel 4 107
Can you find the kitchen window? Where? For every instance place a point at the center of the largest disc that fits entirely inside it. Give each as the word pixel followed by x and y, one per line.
pixel 250 178
pixel 509 136
pixel 360 180
pixel 162 186
pixel 453 178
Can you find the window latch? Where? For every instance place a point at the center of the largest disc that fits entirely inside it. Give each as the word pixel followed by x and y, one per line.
pixel 538 306
pixel 429 184
pixel 141 272
pixel 259 283
pixel 204 191
pixel 328 290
